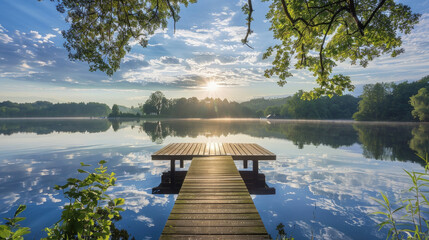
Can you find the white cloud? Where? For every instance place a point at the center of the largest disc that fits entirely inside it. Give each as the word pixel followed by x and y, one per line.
pixel 40 38
pixel 4 38
pixel 148 220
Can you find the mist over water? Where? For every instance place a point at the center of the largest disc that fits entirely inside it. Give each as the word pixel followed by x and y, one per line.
pixel 324 175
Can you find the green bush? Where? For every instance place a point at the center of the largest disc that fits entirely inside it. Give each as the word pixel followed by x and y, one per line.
pixel 90 211
pixel 12 230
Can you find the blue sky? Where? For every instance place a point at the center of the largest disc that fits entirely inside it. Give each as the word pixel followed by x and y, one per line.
pixel 206 47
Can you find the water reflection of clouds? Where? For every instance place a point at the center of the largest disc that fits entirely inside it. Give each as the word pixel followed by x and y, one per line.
pixel 340 185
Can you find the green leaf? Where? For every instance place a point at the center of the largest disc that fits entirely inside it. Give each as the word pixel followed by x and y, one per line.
pixel 4 232
pixel 102 162
pixel 84 165
pixel 82 171
pixel 21 232
pixel 119 201
pixel 20 209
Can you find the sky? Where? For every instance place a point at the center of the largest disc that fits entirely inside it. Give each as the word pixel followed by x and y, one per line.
pixel 206 47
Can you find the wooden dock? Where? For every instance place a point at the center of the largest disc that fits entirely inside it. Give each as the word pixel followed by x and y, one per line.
pixel 213 202
pixel 238 151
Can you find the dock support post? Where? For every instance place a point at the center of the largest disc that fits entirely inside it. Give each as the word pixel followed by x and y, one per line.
pixel 172 170
pixel 255 166
pixel 181 163
pixel 244 163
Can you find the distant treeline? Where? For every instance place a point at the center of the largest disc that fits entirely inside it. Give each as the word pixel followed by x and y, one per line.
pixel 406 101
pixel 293 107
pixel 395 102
pixel 158 105
pixel 48 109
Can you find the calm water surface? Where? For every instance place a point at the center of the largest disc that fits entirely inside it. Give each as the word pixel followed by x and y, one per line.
pixel 323 178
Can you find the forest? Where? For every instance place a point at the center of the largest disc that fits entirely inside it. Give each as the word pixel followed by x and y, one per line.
pixel 48 109
pixel 158 105
pixel 405 101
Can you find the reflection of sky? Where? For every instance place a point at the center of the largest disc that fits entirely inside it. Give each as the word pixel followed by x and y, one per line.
pixel 320 191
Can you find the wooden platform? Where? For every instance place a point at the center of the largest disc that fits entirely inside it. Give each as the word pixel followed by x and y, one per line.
pixel 238 151
pixel 213 203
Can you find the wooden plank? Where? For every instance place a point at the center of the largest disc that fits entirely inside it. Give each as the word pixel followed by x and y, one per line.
pixel 203 146
pixel 244 149
pixel 263 150
pixel 235 148
pixel 254 150
pixel 184 149
pixel 227 148
pixel 163 149
pixel 205 216
pixel 177 149
pixel 217 150
pixel 221 149
pixel 239 151
pixel 197 149
pixel 213 237
pixel 251 230
pixel 214 201
pixel 167 149
pixel 207 150
pixel 192 149
pixel 215 223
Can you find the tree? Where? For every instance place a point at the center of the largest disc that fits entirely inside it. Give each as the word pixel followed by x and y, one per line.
pixel 372 107
pixel 315 33
pixel 115 111
pixel 156 103
pixel 420 103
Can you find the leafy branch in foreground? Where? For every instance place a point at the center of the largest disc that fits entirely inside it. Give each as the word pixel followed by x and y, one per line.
pixel 317 34
pixel 411 223
pixel 12 230
pixel 90 211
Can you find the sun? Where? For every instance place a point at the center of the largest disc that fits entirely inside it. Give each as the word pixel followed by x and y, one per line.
pixel 211 86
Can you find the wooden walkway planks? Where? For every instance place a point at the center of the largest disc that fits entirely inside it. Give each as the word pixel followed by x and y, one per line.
pixel 214 203
pixel 238 151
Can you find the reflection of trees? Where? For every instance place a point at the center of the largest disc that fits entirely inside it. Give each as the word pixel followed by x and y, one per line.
pixel 315 133
pixel 383 141
pixel 420 140
pixel 386 141
pixel 156 131
pixel 47 126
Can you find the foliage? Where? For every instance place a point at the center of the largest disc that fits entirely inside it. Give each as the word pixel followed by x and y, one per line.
pixel 115 111
pixel 391 102
pixel 48 109
pixel 413 223
pixel 12 230
pixel 100 32
pixel 87 216
pixel 337 107
pixel 53 125
pixel 262 103
pixel 281 234
pixel 193 107
pixel 420 103
pixel 156 103
pixel 336 30
pixel 374 100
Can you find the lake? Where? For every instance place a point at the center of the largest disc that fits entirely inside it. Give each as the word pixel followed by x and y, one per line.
pixel 320 185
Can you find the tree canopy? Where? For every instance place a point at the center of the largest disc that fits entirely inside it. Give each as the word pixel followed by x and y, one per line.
pixel 314 35
pixel 420 103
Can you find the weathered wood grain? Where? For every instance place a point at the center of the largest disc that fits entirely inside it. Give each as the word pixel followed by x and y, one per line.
pixel 238 151
pixel 214 203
